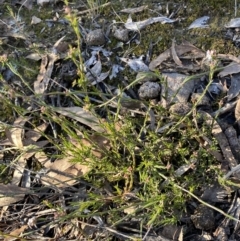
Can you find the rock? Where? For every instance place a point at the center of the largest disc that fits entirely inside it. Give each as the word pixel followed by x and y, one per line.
pixel 171 232
pixel 149 90
pixel 202 100
pixel 95 37
pixel 203 217
pixel 176 88
pixel 233 23
pixel 181 108
pixel 121 34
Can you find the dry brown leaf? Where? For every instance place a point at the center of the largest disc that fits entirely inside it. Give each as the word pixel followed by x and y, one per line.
pixel 228 57
pixel 14 235
pixel 63 173
pixel 84 117
pixel 18 172
pixel 174 54
pixel 233 140
pixel 37 84
pixel 21 162
pixel 237 113
pixel 11 193
pixel 41 157
pixel 15 134
pixel 32 136
pixel 47 64
pixel 185 47
pixel 234 89
pixel 215 193
pixel 237 110
pixel 232 68
pixel 222 141
pixel 6 142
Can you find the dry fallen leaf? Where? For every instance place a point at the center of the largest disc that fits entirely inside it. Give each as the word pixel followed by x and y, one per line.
pixel 47 64
pixel 14 235
pixel 15 134
pixel 11 193
pixel 181 49
pixel 136 64
pixel 234 89
pixel 63 172
pixel 215 193
pixel 232 68
pixel 174 54
pixel 84 117
pixel 200 23
pixel 32 136
pixel 222 140
pixel 21 162
pixel 237 111
pixel 137 26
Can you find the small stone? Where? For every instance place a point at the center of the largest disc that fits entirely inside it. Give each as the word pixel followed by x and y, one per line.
pixel 203 218
pixel 95 37
pixel 121 34
pixel 149 90
pixel 181 108
pixel 171 232
pixel 202 100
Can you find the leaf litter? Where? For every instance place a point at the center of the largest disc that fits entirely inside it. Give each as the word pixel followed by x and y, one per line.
pixel 52 163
